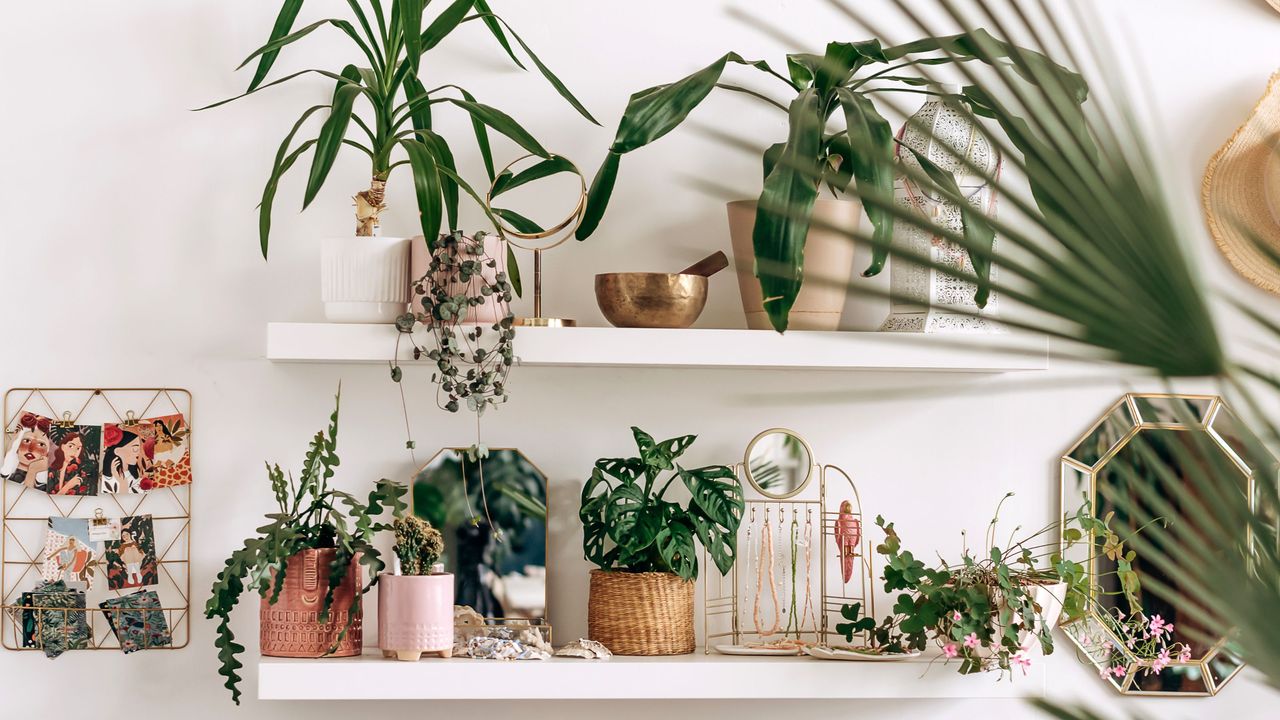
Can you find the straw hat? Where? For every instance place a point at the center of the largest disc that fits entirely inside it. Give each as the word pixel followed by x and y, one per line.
pixel 1241 193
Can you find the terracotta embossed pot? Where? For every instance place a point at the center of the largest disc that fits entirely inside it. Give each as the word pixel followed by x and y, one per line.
pixel 415 615
pixel 291 627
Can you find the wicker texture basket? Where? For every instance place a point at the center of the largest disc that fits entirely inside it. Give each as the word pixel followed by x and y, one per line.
pixel 641 613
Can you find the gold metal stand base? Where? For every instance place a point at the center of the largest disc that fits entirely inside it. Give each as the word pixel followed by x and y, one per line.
pixel 545 322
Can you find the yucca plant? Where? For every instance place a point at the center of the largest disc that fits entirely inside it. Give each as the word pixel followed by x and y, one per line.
pixel 382 108
pixel 857 158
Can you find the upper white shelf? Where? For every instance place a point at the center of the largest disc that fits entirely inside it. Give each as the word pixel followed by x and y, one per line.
pixel 683 677
pixel 693 348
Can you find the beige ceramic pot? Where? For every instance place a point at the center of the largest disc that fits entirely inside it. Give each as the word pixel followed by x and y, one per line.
pixel 828 265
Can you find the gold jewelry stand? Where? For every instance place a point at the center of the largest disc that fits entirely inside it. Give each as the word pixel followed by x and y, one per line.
pixel 567 226
pixel 723 595
pixel 26 512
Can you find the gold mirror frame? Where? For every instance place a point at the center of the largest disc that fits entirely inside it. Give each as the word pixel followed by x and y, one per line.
pixel 1080 468
pixel 478 512
pixel 799 488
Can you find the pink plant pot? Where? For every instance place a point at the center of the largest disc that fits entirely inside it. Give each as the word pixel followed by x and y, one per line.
pixel 487 313
pixel 415 615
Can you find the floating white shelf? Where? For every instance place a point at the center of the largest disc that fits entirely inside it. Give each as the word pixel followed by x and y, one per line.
pixel 683 677
pixel 693 348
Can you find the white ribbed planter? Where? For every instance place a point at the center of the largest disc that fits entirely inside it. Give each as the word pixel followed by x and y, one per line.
pixel 364 279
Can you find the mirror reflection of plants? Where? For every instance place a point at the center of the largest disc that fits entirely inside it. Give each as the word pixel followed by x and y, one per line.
pixel 628 524
pixel 860 156
pixel 394 126
pixel 310 515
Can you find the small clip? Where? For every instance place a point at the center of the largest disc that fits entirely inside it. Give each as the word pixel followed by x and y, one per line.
pixel 66 420
pixel 99 519
pixel 130 418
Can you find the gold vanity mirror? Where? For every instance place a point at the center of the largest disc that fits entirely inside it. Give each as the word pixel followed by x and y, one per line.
pixel 778 463
pixel 492 512
pixel 1117 459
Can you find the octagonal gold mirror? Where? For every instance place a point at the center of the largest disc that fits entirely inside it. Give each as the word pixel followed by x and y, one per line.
pixel 1140 443
pixel 492 512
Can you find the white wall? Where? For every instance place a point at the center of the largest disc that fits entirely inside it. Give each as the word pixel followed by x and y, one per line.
pixel 131 259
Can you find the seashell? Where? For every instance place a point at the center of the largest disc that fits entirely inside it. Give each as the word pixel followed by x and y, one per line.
pixel 584 648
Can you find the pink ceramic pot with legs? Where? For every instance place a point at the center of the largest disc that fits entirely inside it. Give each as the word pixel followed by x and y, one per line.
pixel 415 615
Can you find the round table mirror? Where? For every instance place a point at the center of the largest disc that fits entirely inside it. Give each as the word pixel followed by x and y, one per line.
pixel 779 463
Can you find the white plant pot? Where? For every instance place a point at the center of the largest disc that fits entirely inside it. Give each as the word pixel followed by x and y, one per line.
pixel 364 279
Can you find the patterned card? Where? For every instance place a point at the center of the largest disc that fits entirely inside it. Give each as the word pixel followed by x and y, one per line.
pixel 26 462
pixel 69 553
pixel 171 452
pixel 137 621
pixel 73 459
pixel 131 560
pixel 53 629
pixel 128 454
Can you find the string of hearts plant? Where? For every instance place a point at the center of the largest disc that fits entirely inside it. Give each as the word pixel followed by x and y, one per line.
pixel 628 524
pixel 311 515
pixel 468 369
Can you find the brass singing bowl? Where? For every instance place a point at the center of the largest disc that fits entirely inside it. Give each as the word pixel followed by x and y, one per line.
pixel 651 300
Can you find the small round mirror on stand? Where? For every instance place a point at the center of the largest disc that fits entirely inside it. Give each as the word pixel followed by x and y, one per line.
pixel 779 463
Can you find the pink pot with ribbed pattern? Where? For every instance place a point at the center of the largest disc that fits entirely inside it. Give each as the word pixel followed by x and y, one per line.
pixel 415 615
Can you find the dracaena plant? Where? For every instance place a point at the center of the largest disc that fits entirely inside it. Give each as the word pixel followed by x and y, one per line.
pixel 310 515
pixel 628 523
pixel 381 107
pixel 860 154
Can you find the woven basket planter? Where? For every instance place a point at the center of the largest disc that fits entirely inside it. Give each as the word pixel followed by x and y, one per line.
pixel 641 613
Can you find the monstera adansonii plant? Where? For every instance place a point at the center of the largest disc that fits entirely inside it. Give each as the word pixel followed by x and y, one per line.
pixel 862 152
pixel 629 525
pixel 383 107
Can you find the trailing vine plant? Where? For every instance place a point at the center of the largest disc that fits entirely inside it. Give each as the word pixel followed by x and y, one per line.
pixel 310 515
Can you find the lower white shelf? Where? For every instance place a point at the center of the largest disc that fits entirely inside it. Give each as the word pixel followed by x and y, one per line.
pixel 684 677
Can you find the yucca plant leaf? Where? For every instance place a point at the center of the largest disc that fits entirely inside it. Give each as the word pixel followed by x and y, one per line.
pixel 332 132
pixel 513 266
pixel 491 21
pixel 444 158
pixel 517 221
pixel 284 23
pixel 503 123
pixel 546 72
pixel 426 185
pixel 598 195
pixel 274 45
pixel 283 162
pixel 782 213
pixel 544 168
pixel 411 24
pixel 439 28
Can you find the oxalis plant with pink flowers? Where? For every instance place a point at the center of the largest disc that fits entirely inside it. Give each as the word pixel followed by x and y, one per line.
pixel 988 611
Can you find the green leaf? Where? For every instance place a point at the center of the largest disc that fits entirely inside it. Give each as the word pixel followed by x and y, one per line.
pixel 332 132
pixel 677 549
pixel 444 24
pixel 444 158
pixel 426 185
pixel 491 21
pixel 871 153
pixel 551 78
pixel 784 208
pixel 411 23
pixel 513 271
pixel 284 23
pixel 503 123
pixel 978 232
pixel 517 221
pixel 274 45
pixel 598 196
pixel 507 181
pixel 283 162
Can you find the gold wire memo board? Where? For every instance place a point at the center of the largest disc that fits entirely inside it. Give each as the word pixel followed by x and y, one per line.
pixel 727 598
pixel 27 511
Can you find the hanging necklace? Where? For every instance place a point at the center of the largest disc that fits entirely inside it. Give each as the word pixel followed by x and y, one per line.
pixel 808 611
pixel 766 551
pixel 793 617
